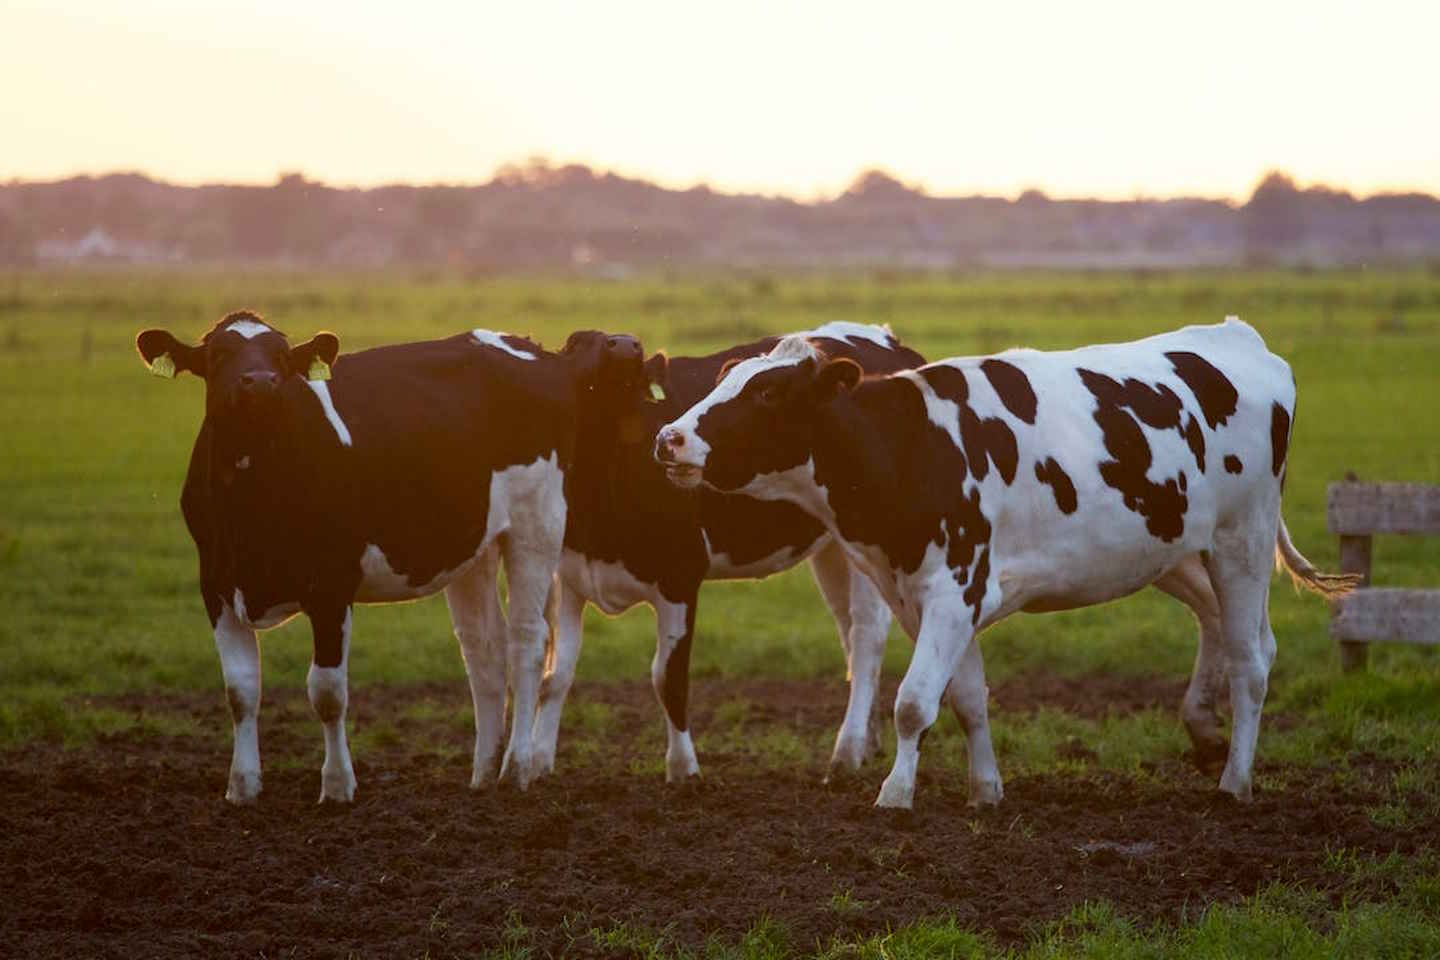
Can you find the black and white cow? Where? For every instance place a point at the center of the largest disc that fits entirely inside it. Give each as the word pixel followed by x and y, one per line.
pixel 633 538
pixel 973 488
pixel 409 470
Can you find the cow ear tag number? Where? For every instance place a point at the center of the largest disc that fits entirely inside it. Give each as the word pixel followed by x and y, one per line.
pixel 657 393
pixel 319 370
pixel 163 366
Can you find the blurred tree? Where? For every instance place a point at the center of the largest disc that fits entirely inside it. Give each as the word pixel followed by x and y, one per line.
pixel 1272 220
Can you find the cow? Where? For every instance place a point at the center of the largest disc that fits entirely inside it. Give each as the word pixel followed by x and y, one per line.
pixel 634 538
pixel 319 481
pixel 973 488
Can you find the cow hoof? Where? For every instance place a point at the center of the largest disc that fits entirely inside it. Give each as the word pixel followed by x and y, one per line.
pixel 244 789
pixel 515 773
pixel 895 796
pixel 986 793
pixel 849 756
pixel 543 765
pixel 1237 788
pixel 337 790
pixel 1210 757
pixel 687 773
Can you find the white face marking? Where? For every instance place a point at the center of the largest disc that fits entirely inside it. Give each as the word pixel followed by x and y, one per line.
pixel 788 352
pixel 850 332
pixel 321 389
pixel 490 338
pixel 249 329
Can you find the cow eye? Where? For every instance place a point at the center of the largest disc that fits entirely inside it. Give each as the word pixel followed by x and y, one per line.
pixel 769 396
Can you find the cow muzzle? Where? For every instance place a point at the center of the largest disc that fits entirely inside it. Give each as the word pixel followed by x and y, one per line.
pixel 674 453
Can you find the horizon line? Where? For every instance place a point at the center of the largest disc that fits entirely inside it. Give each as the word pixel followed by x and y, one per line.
pixel 540 165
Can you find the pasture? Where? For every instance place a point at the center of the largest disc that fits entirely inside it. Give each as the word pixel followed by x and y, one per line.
pixel 114 737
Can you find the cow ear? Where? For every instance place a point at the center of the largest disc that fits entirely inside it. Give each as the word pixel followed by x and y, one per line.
pixel 316 356
pixel 166 356
pixel 837 376
pixel 657 371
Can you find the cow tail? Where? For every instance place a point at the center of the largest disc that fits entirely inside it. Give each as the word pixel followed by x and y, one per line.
pixel 1331 586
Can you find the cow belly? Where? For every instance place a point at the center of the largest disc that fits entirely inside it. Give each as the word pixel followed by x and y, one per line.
pixel 525 496
pixel 265 619
pixel 608 585
pixel 381 583
pixel 1046 588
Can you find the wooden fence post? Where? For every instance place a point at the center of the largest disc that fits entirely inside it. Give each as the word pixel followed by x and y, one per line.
pixel 1355 558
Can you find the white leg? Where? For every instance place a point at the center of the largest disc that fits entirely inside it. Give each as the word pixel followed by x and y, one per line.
pixel 1190 584
pixel 869 627
pixel 479 624
pixel 968 697
pixel 240 663
pixel 862 619
pixel 1239 568
pixel 328 686
pixel 530 562
pixel 555 687
pixel 945 633
pixel 670 675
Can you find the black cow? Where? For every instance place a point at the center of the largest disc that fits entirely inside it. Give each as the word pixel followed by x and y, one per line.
pixel 632 537
pixel 410 469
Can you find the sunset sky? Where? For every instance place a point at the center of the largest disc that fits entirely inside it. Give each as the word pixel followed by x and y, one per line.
pixel 1081 99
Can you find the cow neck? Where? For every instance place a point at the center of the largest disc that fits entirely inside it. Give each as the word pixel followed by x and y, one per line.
pixel 852 446
pixel 258 464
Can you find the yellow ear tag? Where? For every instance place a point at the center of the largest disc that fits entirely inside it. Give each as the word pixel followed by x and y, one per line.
pixel 319 370
pixel 657 392
pixel 163 366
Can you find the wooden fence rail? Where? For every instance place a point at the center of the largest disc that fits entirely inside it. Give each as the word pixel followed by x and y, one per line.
pixel 1356 512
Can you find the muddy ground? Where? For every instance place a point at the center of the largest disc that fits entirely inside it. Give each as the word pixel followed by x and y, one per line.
pixel 126 849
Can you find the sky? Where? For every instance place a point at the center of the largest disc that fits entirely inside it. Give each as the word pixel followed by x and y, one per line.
pixel 1104 99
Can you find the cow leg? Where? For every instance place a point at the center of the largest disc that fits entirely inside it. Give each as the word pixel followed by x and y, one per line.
pixel 328 686
pixel 240 663
pixel 945 633
pixel 479 624
pixel 555 687
pixel 1239 566
pixel 862 619
pixel 530 562
pixel 969 698
pixel 670 675
pixel 1189 583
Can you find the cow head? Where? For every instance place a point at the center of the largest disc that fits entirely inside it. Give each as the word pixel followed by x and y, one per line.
pixel 243 361
pixel 758 420
pixel 614 378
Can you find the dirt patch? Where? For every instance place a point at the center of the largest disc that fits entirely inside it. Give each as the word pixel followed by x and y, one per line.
pixel 126 848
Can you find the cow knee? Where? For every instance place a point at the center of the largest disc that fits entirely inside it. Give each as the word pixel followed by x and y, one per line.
pixel 244 701
pixel 912 717
pixel 328 692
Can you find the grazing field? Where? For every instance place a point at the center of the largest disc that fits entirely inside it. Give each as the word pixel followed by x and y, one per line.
pixel 114 738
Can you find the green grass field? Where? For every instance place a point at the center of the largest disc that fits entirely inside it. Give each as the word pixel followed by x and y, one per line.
pixel 98 577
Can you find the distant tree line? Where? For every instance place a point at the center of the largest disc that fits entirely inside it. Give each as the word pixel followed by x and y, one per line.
pixel 537 215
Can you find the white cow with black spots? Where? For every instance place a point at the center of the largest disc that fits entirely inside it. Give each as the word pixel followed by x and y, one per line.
pixel 976 487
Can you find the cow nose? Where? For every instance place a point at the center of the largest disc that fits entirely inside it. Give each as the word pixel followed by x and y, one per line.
pixel 668 441
pixel 258 381
pixel 624 347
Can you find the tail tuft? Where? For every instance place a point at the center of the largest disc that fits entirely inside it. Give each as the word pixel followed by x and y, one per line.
pixel 1303 573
